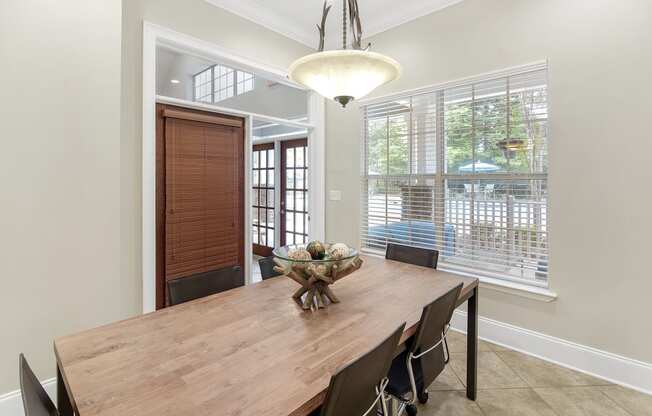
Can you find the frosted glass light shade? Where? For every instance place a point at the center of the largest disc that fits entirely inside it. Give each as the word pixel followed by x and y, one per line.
pixel 344 73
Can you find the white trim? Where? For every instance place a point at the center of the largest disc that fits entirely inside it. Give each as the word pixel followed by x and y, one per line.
pixel 187 44
pixel 148 237
pixel 11 404
pixel 317 167
pixel 525 290
pixel 400 16
pixel 267 18
pixel 283 136
pixel 519 69
pixel 287 26
pixel 154 35
pixel 230 111
pixel 248 252
pixel 513 288
pixel 614 368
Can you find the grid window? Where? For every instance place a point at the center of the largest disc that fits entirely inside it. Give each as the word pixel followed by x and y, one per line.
pixel 220 82
pixel 203 86
pixel 263 197
pixel 223 82
pixel 463 170
pixel 245 82
pixel 295 167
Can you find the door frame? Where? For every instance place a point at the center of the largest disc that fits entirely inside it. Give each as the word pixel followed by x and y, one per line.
pixel 154 35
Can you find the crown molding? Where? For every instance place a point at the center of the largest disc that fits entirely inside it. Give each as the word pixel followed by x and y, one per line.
pixel 268 18
pixel 406 14
pixel 374 23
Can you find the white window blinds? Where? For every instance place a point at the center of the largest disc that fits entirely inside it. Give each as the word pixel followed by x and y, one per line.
pixel 462 169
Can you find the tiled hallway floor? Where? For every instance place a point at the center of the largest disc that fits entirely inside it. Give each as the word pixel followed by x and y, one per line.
pixel 514 384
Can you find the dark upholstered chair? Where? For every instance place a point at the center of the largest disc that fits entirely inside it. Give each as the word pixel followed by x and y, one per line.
pixel 36 401
pixel 267 268
pixel 200 285
pixel 424 359
pixel 358 388
pixel 413 255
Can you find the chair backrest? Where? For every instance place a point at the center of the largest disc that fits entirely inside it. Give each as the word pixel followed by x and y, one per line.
pixel 267 268
pixel 199 285
pixel 352 390
pixel 435 318
pixel 413 255
pixel 35 400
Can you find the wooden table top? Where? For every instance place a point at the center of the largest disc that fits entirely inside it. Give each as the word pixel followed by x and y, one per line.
pixel 248 351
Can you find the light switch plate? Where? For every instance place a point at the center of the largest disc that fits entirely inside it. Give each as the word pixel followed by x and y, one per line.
pixel 335 195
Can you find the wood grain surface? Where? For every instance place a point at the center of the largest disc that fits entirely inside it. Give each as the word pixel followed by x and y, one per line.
pixel 247 351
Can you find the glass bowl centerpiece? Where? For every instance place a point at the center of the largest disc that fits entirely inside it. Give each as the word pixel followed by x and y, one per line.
pixel 315 266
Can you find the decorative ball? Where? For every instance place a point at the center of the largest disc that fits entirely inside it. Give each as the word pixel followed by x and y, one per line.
pixel 299 254
pixel 316 250
pixel 338 251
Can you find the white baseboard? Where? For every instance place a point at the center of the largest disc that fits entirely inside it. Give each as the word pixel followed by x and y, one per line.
pixel 11 404
pixel 614 368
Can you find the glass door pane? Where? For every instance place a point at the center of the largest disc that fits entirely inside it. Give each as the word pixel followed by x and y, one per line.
pixel 294 209
pixel 263 199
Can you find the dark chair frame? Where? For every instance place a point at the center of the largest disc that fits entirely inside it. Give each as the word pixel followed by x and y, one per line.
pixel 416 349
pixel 186 289
pixel 36 401
pixel 267 268
pixel 417 256
pixel 337 384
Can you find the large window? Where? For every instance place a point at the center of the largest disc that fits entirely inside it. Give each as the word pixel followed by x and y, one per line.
pixel 220 82
pixel 463 169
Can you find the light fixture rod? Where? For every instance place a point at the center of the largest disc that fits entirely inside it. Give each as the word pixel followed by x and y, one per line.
pixel 344 24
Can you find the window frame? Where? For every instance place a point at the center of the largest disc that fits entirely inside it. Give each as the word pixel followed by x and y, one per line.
pixel 249 78
pixel 441 174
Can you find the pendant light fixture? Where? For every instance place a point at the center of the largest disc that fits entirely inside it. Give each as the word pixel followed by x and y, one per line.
pixel 347 74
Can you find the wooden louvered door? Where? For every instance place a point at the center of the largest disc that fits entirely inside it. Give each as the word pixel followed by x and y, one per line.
pixel 202 178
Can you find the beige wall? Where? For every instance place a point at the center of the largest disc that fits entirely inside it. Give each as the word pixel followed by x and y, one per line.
pixel 600 151
pixel 70 165
pixel 59 175
pixel 199 19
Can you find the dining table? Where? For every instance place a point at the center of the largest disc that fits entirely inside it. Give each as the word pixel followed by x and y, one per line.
pixel 251 350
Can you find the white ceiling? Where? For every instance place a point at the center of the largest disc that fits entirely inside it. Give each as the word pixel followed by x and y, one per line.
pixel 297 19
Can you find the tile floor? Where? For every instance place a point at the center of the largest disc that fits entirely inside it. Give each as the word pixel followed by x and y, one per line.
pixel 514 384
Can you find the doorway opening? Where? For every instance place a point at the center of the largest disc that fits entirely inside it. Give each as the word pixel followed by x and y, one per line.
pixel 183 71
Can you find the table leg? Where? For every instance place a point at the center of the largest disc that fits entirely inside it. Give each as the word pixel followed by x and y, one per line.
pixel 63 400
pixel 472 347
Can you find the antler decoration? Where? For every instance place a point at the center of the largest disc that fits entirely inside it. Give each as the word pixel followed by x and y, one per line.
pixel 322 28
pixel 356 25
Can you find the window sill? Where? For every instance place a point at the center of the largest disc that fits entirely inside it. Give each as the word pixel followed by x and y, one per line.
pixel 541 294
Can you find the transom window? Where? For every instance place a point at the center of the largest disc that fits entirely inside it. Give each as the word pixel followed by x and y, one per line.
pixel 220 82
pixel 463 169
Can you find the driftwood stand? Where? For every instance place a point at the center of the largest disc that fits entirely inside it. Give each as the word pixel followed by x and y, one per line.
pixel 315 278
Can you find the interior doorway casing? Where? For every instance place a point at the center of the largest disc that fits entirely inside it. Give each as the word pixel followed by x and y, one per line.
pixel 152 36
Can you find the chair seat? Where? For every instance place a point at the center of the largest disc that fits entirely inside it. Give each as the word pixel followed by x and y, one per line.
pixel 399 379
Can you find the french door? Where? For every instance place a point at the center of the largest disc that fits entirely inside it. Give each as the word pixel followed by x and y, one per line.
pixel 294 192
pixel 263 187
